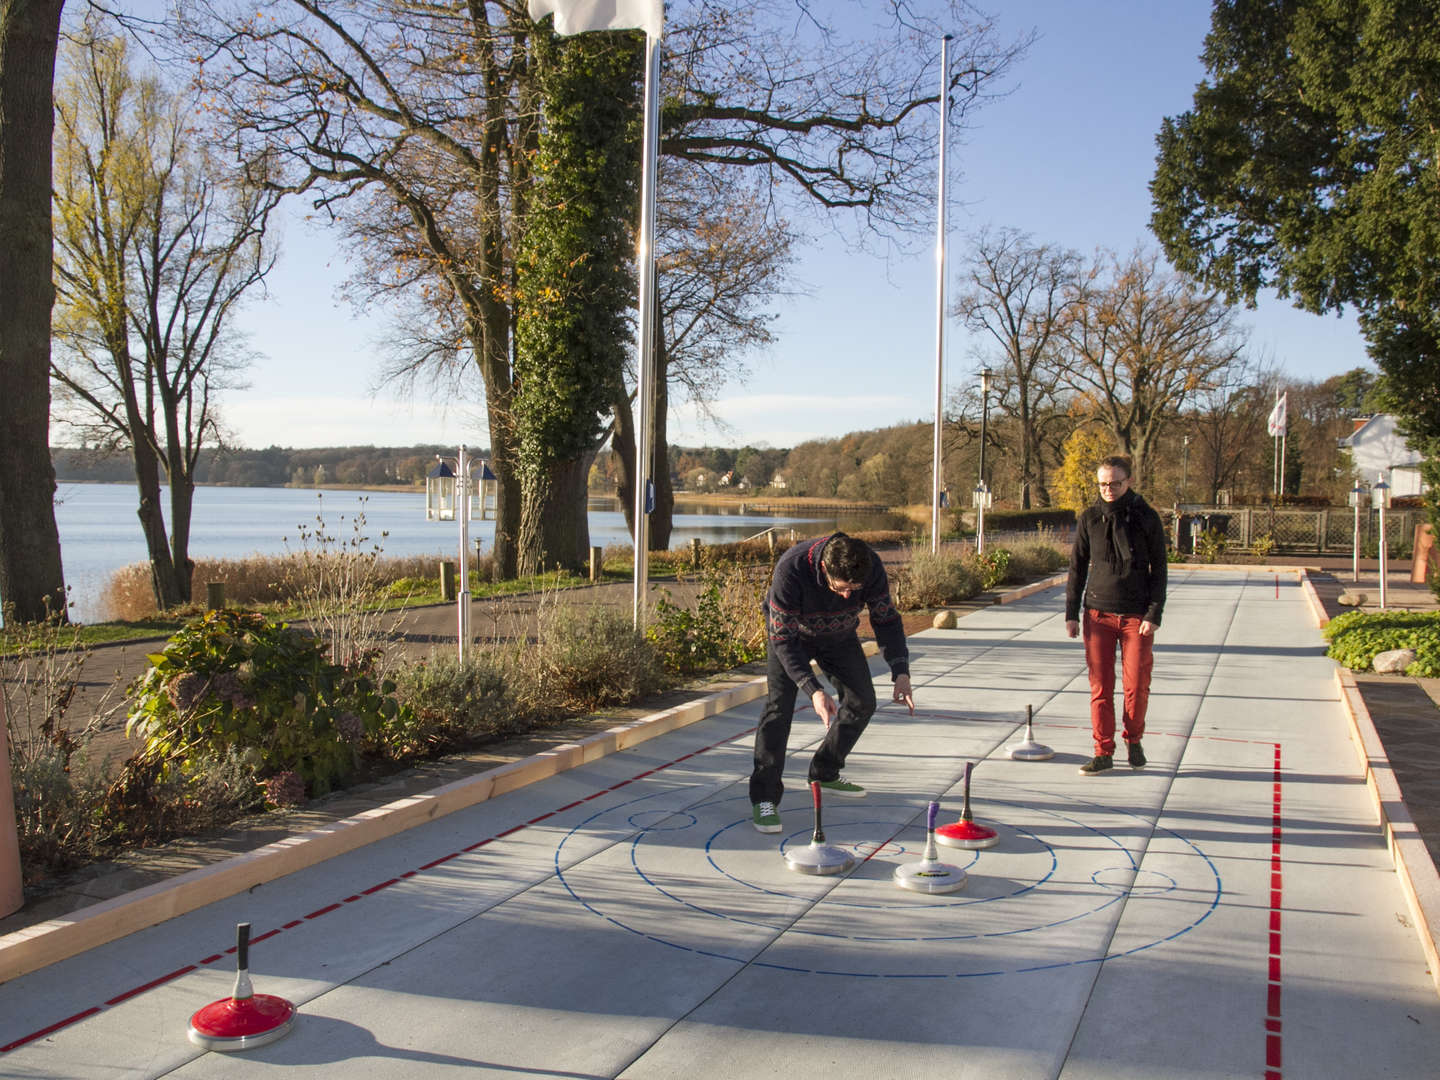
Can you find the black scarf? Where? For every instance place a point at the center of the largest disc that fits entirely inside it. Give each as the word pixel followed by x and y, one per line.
pixel 1119 532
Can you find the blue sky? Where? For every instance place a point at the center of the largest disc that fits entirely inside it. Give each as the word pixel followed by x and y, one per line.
pixel 1066 157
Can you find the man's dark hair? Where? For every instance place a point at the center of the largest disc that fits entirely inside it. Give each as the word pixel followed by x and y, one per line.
pixel 846 559
pixel 1116 461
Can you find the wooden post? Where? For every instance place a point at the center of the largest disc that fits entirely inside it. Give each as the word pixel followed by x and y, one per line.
pixel 597 564
pixel 695 547
pixel 770 539
pixel 1422 553
pixel 12 888
pixel 447 581
pixel 214 595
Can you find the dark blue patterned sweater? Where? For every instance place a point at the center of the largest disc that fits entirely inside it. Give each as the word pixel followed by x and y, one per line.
pixel 801 609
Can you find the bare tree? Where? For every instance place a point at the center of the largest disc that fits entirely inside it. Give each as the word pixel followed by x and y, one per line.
pixel 429 114
pixel 32 584
pixel 1018 295
pixel 1143 342
pixel 154 250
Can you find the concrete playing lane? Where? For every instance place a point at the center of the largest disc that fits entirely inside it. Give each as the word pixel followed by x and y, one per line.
pixel 1229 910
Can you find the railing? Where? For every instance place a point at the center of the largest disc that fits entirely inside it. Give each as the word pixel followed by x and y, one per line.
pixel 1329 530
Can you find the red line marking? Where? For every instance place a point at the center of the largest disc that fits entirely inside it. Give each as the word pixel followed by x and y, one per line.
pixel 128 994
pixel 47 1030
pixel 94 1009
pixel 1273 1033
pixel 542 817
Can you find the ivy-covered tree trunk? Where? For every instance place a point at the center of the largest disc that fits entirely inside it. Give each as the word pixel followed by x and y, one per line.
pixel 31 581
pixel 575 281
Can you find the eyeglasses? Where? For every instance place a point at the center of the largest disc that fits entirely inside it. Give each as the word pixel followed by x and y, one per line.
pixel 1114 483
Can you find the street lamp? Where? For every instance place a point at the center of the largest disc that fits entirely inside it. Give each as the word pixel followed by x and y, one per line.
pixel 1357 499
pixel 981 498
pixel 1380 499
pixel 447 498
pixel 985 376
pixel 1184 467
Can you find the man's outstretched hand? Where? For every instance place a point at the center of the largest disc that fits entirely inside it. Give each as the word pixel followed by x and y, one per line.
pixel 825 706
pixel 903 693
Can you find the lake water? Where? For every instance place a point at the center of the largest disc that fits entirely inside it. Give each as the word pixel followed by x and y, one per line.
pixel 99 532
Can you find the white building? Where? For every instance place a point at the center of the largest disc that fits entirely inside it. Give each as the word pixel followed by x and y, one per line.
pixel 1377 449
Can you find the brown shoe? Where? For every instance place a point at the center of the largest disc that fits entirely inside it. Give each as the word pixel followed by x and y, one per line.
pixel 1098 764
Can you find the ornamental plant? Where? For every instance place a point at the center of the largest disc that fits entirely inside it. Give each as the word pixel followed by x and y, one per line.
pixel 234 681
pixel 1357 637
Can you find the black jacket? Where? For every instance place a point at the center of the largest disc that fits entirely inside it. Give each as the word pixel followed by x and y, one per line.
pixel 1117 563
pixel 801 610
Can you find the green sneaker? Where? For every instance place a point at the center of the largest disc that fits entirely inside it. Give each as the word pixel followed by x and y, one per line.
pixel 765 816
pixel 841 786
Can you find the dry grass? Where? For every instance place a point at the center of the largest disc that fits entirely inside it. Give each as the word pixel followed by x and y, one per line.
pixel 249 582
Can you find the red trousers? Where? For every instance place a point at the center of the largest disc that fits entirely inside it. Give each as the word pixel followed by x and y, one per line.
pixel 1103 631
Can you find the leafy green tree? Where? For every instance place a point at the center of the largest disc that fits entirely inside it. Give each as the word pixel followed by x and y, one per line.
pixel 1308 165
pixel 32 584
pixel 574 281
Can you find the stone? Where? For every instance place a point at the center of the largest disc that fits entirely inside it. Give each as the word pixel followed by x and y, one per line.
pixel 1352 599
pixel 944 620
pixel 1394 660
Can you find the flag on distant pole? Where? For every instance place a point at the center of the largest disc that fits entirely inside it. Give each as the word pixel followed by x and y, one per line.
pixel 580 16
pixel 1276 423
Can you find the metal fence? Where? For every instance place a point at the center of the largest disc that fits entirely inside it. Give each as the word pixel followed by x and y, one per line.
pixel 1328 531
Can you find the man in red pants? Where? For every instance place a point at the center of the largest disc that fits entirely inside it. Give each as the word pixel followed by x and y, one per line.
pixel 1117 567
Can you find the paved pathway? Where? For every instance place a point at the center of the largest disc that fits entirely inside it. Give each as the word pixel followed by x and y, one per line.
pixel 1229 911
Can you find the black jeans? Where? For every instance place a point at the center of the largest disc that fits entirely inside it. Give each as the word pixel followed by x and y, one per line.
pixel 844 663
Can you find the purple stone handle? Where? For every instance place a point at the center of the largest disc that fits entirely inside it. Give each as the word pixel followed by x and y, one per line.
pixel 930 816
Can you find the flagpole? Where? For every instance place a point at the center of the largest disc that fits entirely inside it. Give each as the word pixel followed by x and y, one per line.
pixel 645 360
pixel 940 299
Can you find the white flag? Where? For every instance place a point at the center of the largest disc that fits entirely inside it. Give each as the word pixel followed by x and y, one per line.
pixel 1276 423
pixel 578 16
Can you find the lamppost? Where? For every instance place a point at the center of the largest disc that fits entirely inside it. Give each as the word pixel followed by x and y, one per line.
pixel 1184 467
pixel 1357 499
pixel 982 497
pixel 447 497
pixel 1380 498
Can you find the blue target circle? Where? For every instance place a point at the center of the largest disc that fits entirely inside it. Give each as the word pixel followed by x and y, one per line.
pixel 1107 885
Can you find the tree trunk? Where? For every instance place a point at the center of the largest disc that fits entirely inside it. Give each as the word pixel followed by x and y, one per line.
pixel 554 524
pixel 32 582
pixel 152 523
pixel 182 503
pixel 662 519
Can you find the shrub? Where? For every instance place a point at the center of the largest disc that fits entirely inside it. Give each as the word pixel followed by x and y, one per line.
pixel 1357 637
pixel 1030 559
pixel 1210 545
pixel 448 703
pixel 725 628
pixel 585 658
pixel 1263 545
pixel 235 681
pixel 932 580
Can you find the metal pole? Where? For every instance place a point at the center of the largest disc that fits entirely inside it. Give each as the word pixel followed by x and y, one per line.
pixel 1185 468
pixel 940 298
pixel 462 511
pixel 1355 559
pixel 645 360
pixel 1382 555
